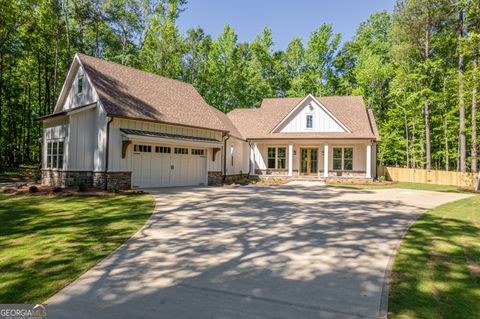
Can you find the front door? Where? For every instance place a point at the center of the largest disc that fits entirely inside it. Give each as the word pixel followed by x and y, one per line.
pixel 309 161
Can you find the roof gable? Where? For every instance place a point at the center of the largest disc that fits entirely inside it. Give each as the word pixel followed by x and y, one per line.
pixel 322 119
pixel 130 93
pixel 349 110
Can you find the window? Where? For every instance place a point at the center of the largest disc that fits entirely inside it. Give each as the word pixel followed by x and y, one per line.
pixel 142 148
pixel 343 158
pixel 80 84
pixel 348 158
pixel 181 150
pixel 162 149
pixel 276 157
pixel 337 158
pixel 271 157
pixel 309 121
pixel 281 155
pixel 196 151
pixel 55 154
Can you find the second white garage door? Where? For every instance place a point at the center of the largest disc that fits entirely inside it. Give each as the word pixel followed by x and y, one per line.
pixel 165 166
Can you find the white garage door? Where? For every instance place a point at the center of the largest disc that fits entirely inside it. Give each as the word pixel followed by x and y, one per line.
pixel 164 166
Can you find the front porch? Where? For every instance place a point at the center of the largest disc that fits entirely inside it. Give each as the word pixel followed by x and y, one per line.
pixel 315 160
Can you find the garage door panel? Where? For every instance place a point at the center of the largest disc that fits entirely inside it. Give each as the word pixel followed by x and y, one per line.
pixel 158 168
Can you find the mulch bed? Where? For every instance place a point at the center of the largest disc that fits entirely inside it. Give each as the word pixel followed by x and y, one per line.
pixel 42 190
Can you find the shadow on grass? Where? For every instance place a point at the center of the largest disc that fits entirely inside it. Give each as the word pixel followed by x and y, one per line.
pixel 46 242
pixel 432 275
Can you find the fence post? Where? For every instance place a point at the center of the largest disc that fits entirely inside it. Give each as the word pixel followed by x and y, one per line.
pixel 477 186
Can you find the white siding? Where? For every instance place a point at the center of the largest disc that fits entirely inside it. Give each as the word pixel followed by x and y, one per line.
pixel 322 121
pixel 82 142
pixel 74 99
pixel 240 151
pixel 119 164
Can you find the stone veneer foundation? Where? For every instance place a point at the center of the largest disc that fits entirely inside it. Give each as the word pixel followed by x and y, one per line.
pixel 215 178
pixel 58 178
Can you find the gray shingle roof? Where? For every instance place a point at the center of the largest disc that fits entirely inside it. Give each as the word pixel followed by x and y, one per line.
pixel 131 93
pixel 349 110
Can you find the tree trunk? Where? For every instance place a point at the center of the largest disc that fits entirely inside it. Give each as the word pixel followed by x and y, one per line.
pixel 55 71
pixel 426 106
pixel 406 136
pixel 474 117
pixel 461 98
pixel 67 32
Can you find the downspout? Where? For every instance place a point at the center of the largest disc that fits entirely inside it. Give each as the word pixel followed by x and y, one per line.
pixel 106 152
pixel 250 165
pixel 224 177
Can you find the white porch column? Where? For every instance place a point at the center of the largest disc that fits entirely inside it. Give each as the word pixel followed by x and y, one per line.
pixel 253 148
pixel 325 160
pixel 290 159
pixel 368 162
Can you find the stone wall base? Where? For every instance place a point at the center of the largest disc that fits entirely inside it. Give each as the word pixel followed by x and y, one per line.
pixel 215 178
pixel 235 178
pixel 121 180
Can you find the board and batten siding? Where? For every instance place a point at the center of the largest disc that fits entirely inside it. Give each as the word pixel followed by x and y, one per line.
pixel 119 164
pixel 322 122
pixel 73 99
pixel 82 142
pixel 239 151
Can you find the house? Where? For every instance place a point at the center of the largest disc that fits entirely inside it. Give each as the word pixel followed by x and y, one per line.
pixel 115 125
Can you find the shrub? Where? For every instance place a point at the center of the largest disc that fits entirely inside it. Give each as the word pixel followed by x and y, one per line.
pixel 81 185
pixel 115 188
pixel 37 176
pixel 33 189
pixel 57 190
pixel 382 178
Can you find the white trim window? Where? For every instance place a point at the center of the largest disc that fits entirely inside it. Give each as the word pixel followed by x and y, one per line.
pixel 342 158
pixel 309 121
pixel 80 84
pixel 198 151
pixel 276 157
pixel 55 150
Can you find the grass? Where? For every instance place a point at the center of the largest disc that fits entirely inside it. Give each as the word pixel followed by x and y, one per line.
pixel 20 174
pixel 47 242
pixel 429 187
pixel 436 272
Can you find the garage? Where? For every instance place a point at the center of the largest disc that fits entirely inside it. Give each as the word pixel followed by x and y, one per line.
pixel 164 165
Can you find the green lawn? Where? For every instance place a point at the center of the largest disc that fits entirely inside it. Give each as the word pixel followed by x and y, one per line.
pixel 429 187
pixel 47 242
pixel 436 273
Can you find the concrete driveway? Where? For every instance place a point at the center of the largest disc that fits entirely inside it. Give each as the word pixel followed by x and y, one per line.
pixel 296 251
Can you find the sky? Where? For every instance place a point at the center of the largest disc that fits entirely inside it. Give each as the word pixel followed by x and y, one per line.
pixel 286 18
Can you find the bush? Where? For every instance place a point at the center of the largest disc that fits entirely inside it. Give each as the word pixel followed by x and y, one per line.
pixel 382 178
pixel 57 190
pixel 37 176
pixel 81 185
pixel 33 189
pixel 115 188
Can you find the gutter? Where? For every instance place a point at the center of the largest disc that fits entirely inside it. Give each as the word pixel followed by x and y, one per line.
pixel 106 152
pixel 224 177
